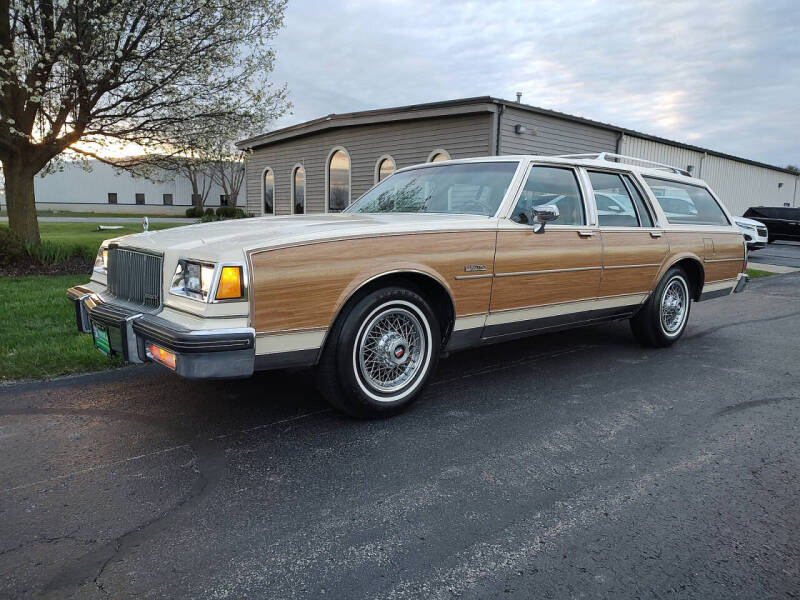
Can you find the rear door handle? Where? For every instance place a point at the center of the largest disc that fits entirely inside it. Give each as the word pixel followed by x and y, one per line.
pixel 585 234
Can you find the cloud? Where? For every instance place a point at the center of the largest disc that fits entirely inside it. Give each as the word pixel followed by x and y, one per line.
pixel 725 75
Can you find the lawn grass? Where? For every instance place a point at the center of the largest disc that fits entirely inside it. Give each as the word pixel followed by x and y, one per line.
pixel 87 233
pixel 62 241
pixel 756 273
pixel 38 335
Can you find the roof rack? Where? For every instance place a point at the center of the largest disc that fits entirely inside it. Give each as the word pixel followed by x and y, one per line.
pixel 620 157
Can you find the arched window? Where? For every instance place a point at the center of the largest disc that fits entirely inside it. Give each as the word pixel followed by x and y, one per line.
pixel 299 190
pixel 338 180
pixel 384 167
pixel 438 155
pixel 269 192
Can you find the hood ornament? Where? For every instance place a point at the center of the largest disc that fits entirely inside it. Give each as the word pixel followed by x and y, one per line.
pixel 145 224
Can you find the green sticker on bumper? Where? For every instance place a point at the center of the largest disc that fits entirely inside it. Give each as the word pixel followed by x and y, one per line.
pixel 101 342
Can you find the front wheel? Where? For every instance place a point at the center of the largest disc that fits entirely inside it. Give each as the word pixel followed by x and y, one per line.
pixel 380 353
pixel 662 320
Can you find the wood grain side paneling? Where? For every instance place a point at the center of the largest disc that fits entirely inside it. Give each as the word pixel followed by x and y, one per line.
pixel 304 286
pixel 631 261
pixel 727 257
pixel 721 254
pixel 521 251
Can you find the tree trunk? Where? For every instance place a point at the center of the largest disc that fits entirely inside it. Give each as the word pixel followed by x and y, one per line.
pixel 197 200
pixel 20 200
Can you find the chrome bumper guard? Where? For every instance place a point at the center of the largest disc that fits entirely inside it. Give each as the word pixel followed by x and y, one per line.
pixel 742 283
pixel 200 354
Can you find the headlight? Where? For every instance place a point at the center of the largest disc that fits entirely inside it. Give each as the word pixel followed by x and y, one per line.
pixel 209 282
pixel 193 279
pixel 101 262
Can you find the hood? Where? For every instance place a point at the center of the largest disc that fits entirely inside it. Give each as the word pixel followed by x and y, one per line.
pixel 746 221
pixel 231 237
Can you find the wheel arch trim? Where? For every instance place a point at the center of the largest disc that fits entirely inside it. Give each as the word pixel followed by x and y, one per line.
pixel 360 283
pixel 680 257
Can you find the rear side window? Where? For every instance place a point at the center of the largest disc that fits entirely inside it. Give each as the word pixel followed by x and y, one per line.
pixel 645 217
pixel 686 204
pixel 551 185
pixel 617 202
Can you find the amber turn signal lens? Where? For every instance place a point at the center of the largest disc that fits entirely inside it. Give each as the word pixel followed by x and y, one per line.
pixel 165 357
pixel 230 283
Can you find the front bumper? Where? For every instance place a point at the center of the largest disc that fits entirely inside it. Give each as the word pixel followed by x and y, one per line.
pixel 754 240
pixel 199 354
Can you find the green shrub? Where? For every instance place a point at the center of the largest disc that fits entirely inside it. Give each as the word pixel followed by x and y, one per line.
pixel 194 212
pixel 226 212
pixel 11 247
pixel 240 214
pixel 51 253
pixel 209 217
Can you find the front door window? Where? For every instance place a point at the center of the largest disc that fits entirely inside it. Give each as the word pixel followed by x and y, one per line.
pixel 556 186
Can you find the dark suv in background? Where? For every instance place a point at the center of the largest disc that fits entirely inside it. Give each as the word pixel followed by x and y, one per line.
pixel 783 223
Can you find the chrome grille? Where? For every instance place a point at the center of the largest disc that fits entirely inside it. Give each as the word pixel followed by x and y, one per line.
pixel 135 276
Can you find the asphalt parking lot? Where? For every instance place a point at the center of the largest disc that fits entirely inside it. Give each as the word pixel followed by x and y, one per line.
pixel 783 254
pixel 573 465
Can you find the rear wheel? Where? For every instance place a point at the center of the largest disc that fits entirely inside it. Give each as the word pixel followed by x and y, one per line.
pixel 662 320
pixel 380 353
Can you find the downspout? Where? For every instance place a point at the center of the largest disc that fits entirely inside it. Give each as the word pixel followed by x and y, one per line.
pixel 499 127
pixel 620 135
pixel 702 161
pixel 794 197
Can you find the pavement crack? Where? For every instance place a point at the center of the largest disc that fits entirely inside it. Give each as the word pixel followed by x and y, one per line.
pixel 734 408
pixel 41 540
pixel 91 567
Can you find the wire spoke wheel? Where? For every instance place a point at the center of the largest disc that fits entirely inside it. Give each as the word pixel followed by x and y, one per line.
pixel 391 349
pixel 674 306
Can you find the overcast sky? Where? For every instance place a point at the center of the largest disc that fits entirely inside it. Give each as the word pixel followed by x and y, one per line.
pixel 724 75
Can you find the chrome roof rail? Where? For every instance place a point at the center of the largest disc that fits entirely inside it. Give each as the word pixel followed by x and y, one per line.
pixel 620 157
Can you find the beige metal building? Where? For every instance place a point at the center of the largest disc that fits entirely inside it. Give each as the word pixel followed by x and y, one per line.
pixel 324 164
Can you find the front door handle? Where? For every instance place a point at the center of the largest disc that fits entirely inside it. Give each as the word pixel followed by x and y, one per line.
pixel 586 234
pixel 655 234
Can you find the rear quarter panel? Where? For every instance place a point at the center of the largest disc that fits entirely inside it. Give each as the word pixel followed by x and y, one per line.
pixel 720 253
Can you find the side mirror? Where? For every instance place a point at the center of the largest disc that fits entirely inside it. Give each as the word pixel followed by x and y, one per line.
pixel 540 215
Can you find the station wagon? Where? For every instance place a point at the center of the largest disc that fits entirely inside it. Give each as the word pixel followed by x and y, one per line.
pixel 435 258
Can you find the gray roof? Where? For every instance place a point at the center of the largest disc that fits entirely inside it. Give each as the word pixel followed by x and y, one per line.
pixel 458 107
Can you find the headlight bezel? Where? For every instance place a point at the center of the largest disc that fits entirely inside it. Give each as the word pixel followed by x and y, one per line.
pixel 209 280
pixel 101 260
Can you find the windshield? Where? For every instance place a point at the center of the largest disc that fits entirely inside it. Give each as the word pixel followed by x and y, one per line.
pixel 464 188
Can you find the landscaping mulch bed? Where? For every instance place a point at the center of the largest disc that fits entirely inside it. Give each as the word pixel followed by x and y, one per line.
pixel 26 265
